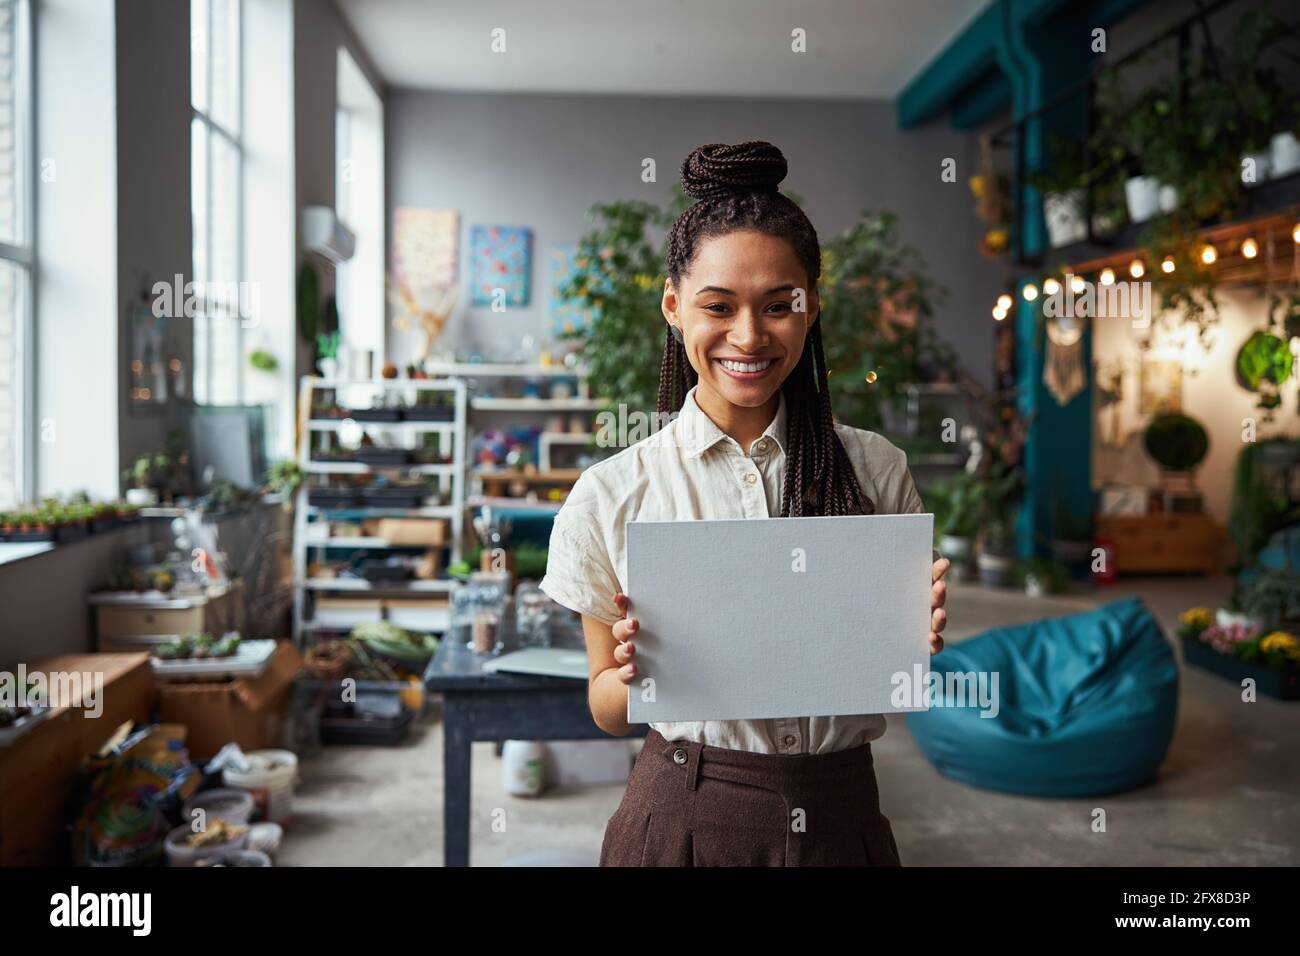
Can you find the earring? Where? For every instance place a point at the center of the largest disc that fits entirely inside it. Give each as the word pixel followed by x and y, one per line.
pixel 677 333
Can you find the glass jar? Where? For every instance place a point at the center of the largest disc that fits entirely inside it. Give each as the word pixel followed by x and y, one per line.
pixel 533 622
pixel 479 611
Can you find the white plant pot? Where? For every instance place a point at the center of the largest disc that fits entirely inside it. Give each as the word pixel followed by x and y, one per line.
pixel 1263 163
pixel 1064 213
pixel 1142 194
pixel 1224 618
pixel 1168 198
pixel 1284 154
pixel 141 497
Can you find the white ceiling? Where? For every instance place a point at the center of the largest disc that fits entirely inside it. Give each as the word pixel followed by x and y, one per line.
pixel 855 48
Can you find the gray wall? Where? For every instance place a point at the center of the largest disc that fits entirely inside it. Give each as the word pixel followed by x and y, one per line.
pixel 541 161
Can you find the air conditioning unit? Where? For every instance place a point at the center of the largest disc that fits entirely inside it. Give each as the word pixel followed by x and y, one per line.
pixel 325 235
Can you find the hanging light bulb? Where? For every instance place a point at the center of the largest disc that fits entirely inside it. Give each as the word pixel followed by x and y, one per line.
pixel 1051 287
pixel 1295 233
pixel 1250 249
pixel 1030 292
pixel 1136 269
pixel 999 314
pixel 1107 276
pixel 1076 284
pixel 1004 302
pixel 1167 266
pixel 1209 254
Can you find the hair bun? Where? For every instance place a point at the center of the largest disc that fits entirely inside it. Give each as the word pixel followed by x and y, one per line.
pixel 721 170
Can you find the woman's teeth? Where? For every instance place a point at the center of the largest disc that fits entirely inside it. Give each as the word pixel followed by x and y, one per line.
pixel 745 366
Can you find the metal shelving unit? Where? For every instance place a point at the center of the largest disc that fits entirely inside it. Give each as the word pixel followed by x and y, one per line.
pixel 451 476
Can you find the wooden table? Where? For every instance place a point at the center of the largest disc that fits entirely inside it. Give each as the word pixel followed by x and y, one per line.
pixel 487 706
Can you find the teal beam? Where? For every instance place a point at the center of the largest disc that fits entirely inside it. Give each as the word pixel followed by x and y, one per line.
pixel 986 100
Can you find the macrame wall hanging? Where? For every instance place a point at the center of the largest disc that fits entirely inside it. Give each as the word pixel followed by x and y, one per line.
pixel 1063 371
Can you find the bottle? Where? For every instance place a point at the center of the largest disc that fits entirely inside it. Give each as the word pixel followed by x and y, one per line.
pixel 523 766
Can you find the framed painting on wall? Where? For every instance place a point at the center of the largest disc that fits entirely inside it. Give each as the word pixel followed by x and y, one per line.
pixel 425 247
pixel 568 316
pixel 500 259
pixel 1161 388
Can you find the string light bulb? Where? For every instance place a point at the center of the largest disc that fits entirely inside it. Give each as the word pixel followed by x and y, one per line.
pixel 1051 287
pixel 1168 266
pixel 1004 302
pixel 1136 269
pixel 1295 233
pixel 1030 292
pixel 1076 284
pixel 1249 249
pixel 1107 276
pixel 999 313
pixel 1209 254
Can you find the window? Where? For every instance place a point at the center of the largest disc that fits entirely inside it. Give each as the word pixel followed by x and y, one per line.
pixel 17 420
pixel 359 203
pixel 217 169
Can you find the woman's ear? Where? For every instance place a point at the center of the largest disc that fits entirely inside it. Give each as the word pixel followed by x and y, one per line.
pixel 814 310
pixel 669 303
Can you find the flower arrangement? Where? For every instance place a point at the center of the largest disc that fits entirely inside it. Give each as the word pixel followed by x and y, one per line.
pixel 1276 650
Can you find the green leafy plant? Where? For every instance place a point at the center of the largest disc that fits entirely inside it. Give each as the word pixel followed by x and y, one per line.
pixel 1050 574
pixel 877 302
pixel 284 476
pixel 1176 442
pixel 263 361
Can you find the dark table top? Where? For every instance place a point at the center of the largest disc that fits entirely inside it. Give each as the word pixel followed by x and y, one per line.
pixel 456 667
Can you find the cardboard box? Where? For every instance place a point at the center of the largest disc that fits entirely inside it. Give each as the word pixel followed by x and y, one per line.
pixel 247 711
pixel 38 771
pixel 413 532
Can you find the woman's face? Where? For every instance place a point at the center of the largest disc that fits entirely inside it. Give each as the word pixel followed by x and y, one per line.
pixel 737 312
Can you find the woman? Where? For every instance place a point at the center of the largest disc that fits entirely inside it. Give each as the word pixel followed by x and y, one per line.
pixel 755 438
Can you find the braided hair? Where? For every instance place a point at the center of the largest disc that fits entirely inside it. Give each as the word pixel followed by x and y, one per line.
pixel 735 187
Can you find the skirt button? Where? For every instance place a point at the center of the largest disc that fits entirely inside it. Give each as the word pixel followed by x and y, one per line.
pixel 679 757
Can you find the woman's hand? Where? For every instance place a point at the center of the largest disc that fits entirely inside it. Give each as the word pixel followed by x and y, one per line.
pixel 625 652
pixel 938 593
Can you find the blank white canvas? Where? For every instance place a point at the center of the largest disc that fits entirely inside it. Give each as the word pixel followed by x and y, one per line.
pixel 777 617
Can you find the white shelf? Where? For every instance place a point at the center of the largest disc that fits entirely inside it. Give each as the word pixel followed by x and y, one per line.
pixel 514 504
pixel 537 404
pixel 437 384
pixel 333 425
pixel 360 584
pixel 360 468
pixel 367 511
pixel 504 370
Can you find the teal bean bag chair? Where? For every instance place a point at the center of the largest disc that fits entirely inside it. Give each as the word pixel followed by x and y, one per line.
pixel 1085 705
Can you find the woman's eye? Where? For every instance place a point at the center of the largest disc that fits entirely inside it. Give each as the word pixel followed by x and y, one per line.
pixel 717 308
pixel 779 308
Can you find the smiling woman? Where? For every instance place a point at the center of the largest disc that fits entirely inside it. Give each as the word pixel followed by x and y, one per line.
pixel 752 435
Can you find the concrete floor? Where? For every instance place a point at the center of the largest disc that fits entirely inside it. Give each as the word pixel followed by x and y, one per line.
pixel 1226 794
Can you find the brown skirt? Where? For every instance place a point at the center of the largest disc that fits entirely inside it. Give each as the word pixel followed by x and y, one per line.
pixel 688 804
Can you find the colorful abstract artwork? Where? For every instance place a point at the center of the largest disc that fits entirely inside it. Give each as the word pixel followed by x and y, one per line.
pixel 425 247
pixel 567 315
pixel 500 258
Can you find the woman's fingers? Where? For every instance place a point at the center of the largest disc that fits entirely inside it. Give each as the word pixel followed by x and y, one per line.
pixel 624 652
pixel 938 620
pixel 938 593
pixel 936 643
pixel 620 602
pixel 624 629
pixel 939 569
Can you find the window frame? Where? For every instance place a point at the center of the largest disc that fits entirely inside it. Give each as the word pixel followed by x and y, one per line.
pixel 22 255
pixel 235 139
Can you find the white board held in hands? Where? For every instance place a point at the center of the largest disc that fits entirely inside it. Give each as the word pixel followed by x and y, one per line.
pixel 777 617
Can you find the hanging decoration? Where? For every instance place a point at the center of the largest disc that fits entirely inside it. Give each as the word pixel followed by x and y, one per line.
pixel 1063 372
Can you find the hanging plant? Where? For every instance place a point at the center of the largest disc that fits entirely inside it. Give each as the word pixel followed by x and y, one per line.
pixel 1176 442
pixel 308 302
pixel 1264 363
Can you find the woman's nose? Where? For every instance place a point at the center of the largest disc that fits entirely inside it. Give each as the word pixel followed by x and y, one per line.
pixel 746 332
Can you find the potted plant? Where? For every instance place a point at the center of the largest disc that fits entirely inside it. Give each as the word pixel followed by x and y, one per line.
pixel 1072 541
pixel 1268 656
pixel 1177 443
pixel 956 505
pixel 1042 576
pixel 996 493
pixel 145 473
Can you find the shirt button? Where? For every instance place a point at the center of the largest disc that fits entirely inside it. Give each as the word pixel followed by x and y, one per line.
pixel 751 478
pixel 789 740
pixel 679 757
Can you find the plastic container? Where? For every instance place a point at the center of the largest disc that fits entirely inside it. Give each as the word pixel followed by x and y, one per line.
pixel 270 780
pixel 233 806
pixel 178 854
pixel 524 765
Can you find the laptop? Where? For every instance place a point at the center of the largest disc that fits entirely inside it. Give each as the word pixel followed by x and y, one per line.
pixel 543 661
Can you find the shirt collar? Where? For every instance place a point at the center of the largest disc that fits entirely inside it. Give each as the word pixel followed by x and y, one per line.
pixel 699 433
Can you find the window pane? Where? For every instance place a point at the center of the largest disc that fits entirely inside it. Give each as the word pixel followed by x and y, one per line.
pixel 225 63
pixel 199 54
pixel 224 359
pixel 199 196
pixel 15 139
pixel 13 290
pixel 224 234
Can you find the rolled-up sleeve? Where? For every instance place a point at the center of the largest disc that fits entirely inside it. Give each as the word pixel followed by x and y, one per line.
pixel 579 572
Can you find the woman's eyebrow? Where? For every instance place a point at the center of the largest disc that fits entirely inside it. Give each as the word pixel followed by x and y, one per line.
pixel 772 291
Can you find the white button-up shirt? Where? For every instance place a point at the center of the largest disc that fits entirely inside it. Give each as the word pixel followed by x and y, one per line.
pixel 691 470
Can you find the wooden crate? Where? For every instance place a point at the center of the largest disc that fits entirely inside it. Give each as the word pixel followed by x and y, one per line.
pixel 1163 543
